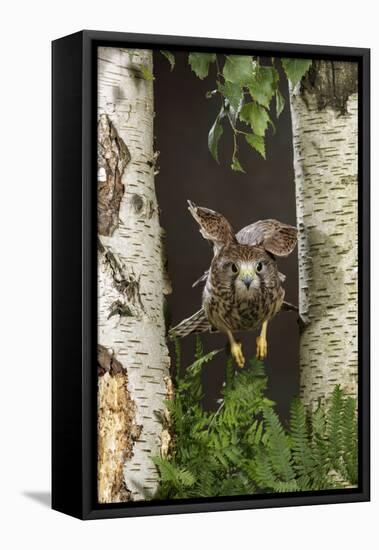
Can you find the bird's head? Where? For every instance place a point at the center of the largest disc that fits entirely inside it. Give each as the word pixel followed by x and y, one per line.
pixel 246 268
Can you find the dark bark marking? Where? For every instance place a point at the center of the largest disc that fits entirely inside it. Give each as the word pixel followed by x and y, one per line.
pixel 125 283
pixel 106 362
pixel 153 163
pixel 137 203
pixel 142 207
pixel 167 288
pixel 332 82
pixel 113 157
pixel 120 308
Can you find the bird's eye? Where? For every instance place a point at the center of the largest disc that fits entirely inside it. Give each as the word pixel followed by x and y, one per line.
pixel 234 268
pixel 258 267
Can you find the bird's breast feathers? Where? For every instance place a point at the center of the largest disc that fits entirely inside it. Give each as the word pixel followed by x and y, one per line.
pixel 242 310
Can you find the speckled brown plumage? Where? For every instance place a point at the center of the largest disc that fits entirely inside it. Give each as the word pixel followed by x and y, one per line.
pixel 243 287
pixel 213 226
pixel 228 303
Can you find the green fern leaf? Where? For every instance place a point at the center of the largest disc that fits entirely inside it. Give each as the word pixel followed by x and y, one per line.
pixel 302 453
pixel 334 427
pixel 278 446
pixel 350 440
pixel 178 358
pixel 262 471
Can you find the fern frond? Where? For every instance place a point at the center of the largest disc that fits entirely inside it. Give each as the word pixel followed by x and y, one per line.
pixel 190 387
pixel 178 357
pixel 334 427
pixel 350 440
pixel 199 352
pixel 262 470
pixel 286 486
pixel 229 372
pixel 243 447
pixel 169 472
pixel 301 450
pixel 318 422
pixel 257 367
pixel 195 367
pixel 278 446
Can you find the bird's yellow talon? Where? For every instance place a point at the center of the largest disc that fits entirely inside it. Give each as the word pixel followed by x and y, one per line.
pixel 236 350
pixel 261 347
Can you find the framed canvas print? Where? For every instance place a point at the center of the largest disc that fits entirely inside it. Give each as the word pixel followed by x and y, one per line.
pixel 210 274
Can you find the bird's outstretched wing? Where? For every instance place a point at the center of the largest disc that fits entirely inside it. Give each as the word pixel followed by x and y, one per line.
pixel 195 324
pixel 213 226
pixel 278 238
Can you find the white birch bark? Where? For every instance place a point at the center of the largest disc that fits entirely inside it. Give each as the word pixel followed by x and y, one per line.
pixel 324 109
pixel 131 274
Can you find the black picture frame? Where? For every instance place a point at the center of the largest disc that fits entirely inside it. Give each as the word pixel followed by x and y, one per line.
pixel 74 267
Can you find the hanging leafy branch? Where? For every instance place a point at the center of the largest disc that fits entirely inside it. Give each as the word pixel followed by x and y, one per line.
pixel 246 89
pixel 170 58
pixel 243 448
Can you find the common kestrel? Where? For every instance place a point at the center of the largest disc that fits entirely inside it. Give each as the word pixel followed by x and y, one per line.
pixel 243 287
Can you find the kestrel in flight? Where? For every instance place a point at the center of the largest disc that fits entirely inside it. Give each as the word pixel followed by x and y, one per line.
pixel 243 287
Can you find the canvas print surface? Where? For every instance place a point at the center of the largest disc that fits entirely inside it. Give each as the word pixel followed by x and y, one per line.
pixel 227 209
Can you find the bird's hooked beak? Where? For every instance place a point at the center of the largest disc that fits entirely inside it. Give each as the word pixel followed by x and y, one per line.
pixel 247 276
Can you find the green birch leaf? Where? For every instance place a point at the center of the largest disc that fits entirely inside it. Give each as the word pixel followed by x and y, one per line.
pixel 256 116
pixel 279 103
pixel 272 126
pixel 170 58
pixel 214 137
pixel 146 73
pixel 257 143
pixel 295 69
pixel 238 69
pixel 200 63
pixel 232 92
pixel 236 166
pixel 263 85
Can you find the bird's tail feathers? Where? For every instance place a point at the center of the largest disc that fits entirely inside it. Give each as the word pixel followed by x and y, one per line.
pixel 195 324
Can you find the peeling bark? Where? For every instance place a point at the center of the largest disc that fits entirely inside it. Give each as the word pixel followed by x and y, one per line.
pixel 324 110
pixel 124 282
pixel 167 436
pixel 116 427
pixel 113 157
pixel 131 265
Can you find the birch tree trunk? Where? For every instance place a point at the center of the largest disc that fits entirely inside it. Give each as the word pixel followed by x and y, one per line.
pixel 324 108
pixel 133 360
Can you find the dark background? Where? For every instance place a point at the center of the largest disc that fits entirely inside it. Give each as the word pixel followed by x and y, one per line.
pixel 188 171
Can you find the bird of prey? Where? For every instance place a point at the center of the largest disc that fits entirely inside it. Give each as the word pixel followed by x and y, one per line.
pixel 243 287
